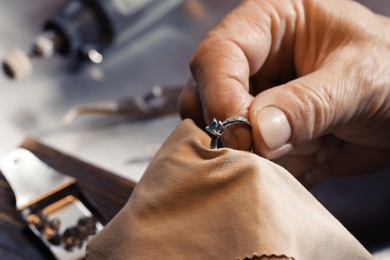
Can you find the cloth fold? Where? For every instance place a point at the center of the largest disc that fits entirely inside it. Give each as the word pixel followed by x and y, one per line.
pixel 197 203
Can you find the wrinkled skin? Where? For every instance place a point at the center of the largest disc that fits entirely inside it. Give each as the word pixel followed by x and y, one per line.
pixel 321 71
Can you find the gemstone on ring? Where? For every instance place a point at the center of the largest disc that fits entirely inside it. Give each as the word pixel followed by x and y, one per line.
pixel 216 128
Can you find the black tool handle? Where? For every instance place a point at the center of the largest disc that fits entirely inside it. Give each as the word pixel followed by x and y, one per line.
pixel 99 24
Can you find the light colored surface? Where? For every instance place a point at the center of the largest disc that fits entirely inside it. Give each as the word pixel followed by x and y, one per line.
pixel 34 106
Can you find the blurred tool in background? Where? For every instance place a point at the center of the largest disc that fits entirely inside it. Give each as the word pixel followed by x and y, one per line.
pixel 83 29
pixel 156 102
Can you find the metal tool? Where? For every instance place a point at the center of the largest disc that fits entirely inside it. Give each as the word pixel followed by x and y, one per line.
pixel 51 204
pixel 158 101
pixel 84 29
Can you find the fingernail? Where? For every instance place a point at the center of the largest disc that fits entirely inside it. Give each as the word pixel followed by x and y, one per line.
pixel 274 127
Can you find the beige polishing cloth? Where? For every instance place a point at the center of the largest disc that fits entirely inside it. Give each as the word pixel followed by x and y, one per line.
pixel 198 203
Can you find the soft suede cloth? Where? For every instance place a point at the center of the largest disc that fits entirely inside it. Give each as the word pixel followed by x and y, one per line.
pixel 197 203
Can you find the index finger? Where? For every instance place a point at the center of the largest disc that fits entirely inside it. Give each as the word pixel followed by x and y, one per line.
pixel 236 49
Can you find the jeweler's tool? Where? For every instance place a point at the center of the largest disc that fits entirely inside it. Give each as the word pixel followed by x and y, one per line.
pixel 84 29
pixel 158 101
pixel 52 205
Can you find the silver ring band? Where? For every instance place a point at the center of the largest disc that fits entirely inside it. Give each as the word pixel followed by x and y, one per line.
pixel 216 128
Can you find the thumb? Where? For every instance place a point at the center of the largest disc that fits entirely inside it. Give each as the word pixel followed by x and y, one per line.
pixel 286 117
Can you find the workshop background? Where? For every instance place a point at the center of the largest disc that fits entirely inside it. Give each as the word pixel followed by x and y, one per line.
pixel 157 55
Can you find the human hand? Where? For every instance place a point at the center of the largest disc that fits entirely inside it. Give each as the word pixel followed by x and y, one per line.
pixel 312 76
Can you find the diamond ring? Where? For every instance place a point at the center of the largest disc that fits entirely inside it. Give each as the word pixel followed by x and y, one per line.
pixel 216 128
